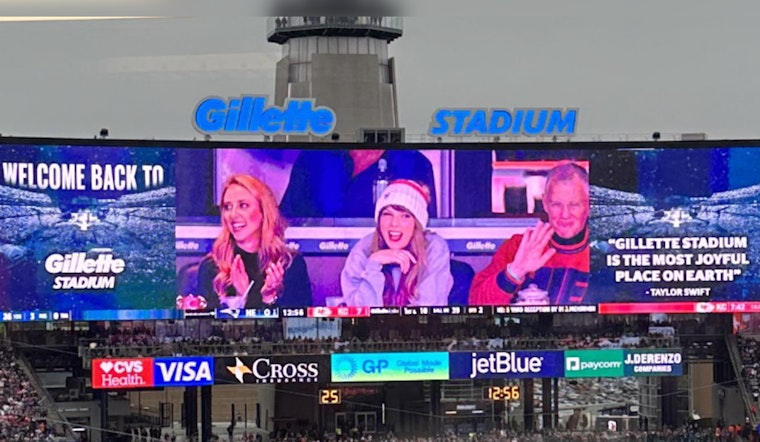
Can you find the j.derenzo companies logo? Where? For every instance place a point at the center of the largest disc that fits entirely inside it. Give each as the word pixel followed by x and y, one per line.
pixel 344 368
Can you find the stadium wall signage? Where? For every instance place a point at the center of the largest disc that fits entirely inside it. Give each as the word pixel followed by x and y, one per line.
pixel 532 122
pixel 506 365
pixel 271 369
pixel 388 367
pixel 139 373
pixel 250 114
pixel 134 373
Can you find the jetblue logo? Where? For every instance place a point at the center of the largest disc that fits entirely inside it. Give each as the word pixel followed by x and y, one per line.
pixel 251 115
pixel 493 122
pixel 505 363
pixel 183 371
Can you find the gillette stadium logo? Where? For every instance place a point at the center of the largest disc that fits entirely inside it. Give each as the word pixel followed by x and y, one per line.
pixel 80 272
pixel 249 114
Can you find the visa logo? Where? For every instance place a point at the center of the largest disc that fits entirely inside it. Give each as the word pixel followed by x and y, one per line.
pixel 184 371
pixel 250 114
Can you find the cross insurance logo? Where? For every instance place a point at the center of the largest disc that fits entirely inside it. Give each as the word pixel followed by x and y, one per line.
pixel 389 367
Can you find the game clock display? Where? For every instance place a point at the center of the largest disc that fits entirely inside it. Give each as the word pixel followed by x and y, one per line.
pixel 502 393
pixel 330 396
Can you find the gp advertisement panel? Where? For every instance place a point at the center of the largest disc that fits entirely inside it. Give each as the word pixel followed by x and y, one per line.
pixel 139 373
pixel 97 230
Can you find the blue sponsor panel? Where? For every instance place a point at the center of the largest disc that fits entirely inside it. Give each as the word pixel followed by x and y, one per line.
pixel 653 362
pixel 506 364
pixel 183 372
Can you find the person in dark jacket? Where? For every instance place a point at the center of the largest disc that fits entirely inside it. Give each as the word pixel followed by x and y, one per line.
pixel 250 265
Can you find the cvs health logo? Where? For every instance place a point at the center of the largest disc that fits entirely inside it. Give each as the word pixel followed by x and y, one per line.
pixel 187 372
pixel 122 373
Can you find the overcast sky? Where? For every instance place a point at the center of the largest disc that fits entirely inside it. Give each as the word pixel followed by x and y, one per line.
pixel 629 67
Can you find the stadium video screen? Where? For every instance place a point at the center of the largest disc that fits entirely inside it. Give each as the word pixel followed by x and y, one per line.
pixel 156 230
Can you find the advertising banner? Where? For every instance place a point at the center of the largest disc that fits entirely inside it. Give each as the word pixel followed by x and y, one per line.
pixel 134 373
pixel 183 372
pixel 271 369
pixel 122 373
pixel 389 367
pixel 594 363
pixel 653 362
pixel 506 364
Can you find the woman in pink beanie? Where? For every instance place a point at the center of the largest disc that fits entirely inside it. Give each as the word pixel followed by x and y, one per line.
pixel 400 263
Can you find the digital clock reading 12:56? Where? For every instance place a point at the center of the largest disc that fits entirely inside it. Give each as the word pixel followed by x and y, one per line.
pixel 503 393
pixel 329 396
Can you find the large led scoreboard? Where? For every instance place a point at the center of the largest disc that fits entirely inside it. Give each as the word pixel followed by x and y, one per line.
pixel 108 229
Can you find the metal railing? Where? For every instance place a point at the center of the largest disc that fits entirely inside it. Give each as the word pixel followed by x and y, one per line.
pixel 290 23
pixel 60 423
pixel 89 352
pixel 736 361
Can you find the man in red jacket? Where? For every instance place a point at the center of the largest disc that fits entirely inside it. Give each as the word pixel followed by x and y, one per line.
pixel 554 256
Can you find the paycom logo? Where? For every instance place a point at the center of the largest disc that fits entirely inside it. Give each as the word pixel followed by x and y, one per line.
pixel 594 363
pixel 389 367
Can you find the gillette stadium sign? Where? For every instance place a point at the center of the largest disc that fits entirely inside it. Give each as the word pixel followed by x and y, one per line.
pixel 250 114
pixel 532 122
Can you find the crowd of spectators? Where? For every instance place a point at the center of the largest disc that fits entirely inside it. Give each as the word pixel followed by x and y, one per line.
pixel 749 350
pixel 683 434
pixel 22 418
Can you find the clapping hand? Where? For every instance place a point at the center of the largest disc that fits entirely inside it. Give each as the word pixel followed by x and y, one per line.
pixel 241 282
pixel 274 275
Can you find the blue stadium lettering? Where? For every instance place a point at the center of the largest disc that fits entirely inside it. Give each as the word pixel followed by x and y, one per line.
pixel 493 122
pixel 250 114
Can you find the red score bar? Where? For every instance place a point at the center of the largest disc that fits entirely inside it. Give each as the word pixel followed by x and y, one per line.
pixel 338 312
pixel 679 307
